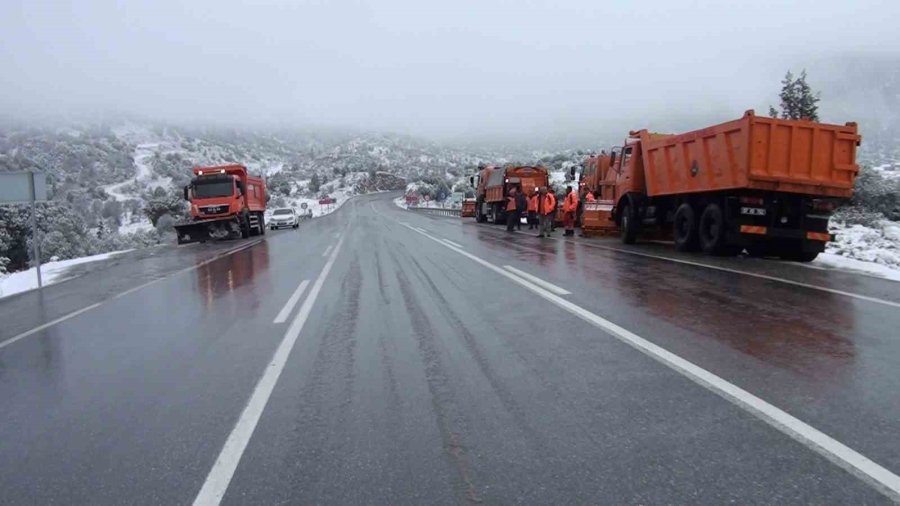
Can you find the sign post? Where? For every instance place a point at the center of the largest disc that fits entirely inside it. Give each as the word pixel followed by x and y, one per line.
pixel 21 188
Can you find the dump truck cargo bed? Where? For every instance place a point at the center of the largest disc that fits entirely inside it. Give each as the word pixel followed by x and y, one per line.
pixel 753 152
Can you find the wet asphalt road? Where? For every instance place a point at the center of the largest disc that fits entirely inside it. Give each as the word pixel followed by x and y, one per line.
pixel 423 377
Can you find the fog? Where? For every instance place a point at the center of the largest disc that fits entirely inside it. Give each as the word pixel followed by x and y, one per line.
pixel 452 70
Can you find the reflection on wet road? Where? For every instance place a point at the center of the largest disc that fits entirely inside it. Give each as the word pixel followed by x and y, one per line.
pixel 417 374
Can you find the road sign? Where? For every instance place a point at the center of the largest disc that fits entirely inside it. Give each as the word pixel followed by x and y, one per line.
pixel 304 205
pixel 26 187
pixel 15 187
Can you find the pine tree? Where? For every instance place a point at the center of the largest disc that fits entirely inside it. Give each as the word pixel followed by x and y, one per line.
pixel 798 101
pixel 314 182
pixel 807 100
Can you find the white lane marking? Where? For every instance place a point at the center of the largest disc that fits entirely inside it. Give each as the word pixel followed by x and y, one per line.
pixel 327 250
pixel 222 471
pixel 453 243
pixel 538 281
pixel 845 457
pixel 753 274
pixel 289 305
pixel 121 294
pixel 51 323
pixel 747 273
pixel 422 230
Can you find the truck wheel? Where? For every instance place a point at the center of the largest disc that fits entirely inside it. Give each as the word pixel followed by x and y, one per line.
pixel 497 219
pixel 480 217
pixel 262 223
pixel 685 228
pixel 631 225
pixel 712 232
pixel 245 226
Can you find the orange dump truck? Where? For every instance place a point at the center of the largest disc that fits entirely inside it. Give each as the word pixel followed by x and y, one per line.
pixel 492 185
pixel 768 185
pixel 226 201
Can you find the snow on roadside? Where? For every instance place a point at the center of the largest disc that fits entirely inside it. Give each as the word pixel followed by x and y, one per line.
pixel 51 272
pixel 832 261
pixel 872 250
pixel 879 244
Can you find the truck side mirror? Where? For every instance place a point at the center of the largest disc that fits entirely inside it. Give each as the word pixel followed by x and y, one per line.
pixel 472 180
pixel 187 192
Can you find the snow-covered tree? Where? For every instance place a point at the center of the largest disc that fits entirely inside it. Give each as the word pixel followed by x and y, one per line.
pixel 798 101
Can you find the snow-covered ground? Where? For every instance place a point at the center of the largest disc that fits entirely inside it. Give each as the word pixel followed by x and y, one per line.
pixel 143 174
pixel 879 244
pixel 51 272
pixel 400 202
pixel 838 262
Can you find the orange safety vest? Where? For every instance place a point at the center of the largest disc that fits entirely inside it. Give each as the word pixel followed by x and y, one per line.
pixel 570 204
pixel 533 203
pixel 590 197
pixel 510 203
pixel 549 204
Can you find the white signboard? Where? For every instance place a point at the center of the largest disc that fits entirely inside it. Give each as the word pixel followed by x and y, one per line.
pixel 15 187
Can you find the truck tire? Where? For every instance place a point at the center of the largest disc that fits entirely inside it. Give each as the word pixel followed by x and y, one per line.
pixel 245 225
pixel 480 217
pixel 712 232
pixel 262 223
pixel 497 209
pixel 631 225
pixel 685 228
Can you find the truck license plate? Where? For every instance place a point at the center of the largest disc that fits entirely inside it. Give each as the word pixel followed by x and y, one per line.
pixel 754 211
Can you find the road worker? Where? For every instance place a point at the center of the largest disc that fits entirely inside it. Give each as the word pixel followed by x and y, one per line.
pixel 546 211
pixel 521 206
pixel 532 210
pixel 570 207
pixel 511 206
pixel 552 193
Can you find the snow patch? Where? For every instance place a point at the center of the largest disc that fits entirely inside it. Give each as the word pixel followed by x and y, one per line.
pixel 51 272
pixel 832 261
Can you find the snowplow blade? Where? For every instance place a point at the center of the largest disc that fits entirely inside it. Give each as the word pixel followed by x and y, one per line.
pixel 202 231
pixel 597 219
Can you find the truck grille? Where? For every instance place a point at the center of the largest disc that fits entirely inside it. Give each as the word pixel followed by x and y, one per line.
pixel 208 210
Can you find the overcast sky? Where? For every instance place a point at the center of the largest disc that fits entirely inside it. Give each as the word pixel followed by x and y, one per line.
pixel 457 69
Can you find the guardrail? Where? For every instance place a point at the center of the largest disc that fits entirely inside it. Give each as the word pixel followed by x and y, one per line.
pixel 436 210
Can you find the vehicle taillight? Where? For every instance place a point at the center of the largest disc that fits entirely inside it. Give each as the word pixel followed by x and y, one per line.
pixel 753 201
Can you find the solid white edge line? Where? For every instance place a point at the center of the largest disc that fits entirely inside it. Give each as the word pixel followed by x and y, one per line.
pixel 85 309
pixel 291 302
pixel 538 281
pixel 327 250
pixel 453 243
pixel 838 453
pixel 51 323
pixel 219 477
pixel 753 274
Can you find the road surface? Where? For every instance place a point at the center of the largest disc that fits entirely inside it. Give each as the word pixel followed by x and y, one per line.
pixel 381 356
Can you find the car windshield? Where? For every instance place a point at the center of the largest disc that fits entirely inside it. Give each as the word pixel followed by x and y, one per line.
pixel 213 189
pixel 282 211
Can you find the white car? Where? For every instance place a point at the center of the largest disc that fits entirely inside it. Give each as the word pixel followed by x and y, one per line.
pixel 284 217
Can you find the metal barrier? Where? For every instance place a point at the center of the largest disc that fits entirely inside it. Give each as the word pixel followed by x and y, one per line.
pixel 436 210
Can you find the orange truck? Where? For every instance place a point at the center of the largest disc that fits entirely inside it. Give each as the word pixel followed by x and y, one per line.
pixel 226 201
pixel 492 185
pixel 768 185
